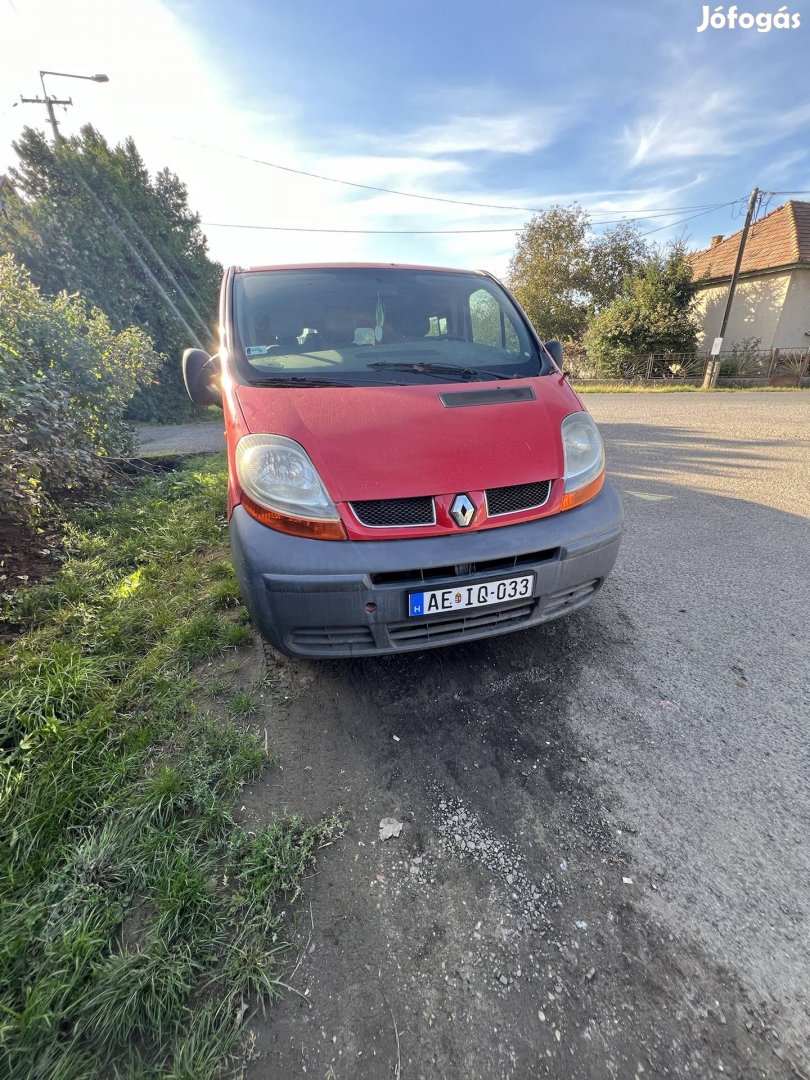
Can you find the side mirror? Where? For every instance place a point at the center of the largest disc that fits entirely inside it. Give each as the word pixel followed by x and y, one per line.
pixel 555 351
pixel 201 374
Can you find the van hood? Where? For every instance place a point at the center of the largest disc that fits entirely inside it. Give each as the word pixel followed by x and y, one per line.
pixel 401 441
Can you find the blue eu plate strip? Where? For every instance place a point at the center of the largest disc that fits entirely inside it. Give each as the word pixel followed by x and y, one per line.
pixel 417 603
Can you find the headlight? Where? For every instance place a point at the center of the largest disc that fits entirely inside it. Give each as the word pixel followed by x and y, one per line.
pixel 584 459
pixel 283 488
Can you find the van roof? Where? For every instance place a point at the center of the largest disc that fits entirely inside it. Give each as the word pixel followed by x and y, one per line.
pixel 360 265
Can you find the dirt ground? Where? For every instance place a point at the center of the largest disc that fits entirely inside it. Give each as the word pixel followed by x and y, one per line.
pixel 26 557
pixel 503 933
pixel 603 862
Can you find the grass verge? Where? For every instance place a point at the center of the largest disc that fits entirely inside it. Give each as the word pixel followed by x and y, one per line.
pixel 140 923
pixel 678 388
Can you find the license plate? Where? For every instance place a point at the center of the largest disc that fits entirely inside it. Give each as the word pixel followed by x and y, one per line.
pixel 461 597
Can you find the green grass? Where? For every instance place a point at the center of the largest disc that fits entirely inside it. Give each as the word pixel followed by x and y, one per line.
pixel 138 919
pixel 241 706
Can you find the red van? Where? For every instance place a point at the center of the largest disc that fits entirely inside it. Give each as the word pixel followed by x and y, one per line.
pixel 408 466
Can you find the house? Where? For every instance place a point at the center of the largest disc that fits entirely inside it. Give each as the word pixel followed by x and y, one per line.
pixel 772 302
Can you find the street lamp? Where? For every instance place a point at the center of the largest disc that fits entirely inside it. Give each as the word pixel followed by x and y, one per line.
pixel 49 101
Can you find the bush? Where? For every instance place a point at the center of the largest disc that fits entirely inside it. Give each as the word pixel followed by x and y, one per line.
pixel 653 314
pixel 163 400
pixel 65 381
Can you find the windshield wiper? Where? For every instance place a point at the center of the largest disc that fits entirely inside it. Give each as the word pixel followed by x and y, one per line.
pixel 441 370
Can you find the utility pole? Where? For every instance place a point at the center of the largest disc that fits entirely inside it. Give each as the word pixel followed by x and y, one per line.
pixel 48 101
pixel 713 366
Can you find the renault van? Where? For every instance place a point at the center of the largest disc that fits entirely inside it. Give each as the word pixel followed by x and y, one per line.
pixel 408 466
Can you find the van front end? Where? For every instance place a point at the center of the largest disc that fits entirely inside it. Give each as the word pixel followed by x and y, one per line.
pixel 317 598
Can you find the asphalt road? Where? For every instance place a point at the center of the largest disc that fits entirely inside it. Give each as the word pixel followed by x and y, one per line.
pixel 604 867
pixel 708 747
pixel 167 440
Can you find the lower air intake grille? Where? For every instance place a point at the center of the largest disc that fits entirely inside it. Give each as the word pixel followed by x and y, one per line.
pixel 568 599
pixel 511 500
pixel 393 513
pixel 318 638
pixel 411 633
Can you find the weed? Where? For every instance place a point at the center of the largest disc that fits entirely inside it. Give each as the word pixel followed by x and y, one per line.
pixel 241 706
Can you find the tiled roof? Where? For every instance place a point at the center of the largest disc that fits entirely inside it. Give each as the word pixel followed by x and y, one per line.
pixel 781 238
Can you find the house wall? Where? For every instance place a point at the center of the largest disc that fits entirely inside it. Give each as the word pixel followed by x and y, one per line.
pixel 756 312
pixel 795 319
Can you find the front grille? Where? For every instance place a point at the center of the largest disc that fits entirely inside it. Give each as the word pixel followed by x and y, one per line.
pixel 483 566
pixel 422 632
pixel 395 513
pixel 511 500
pixel 318 638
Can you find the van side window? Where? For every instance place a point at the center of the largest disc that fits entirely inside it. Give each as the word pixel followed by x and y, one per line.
pixel 490 326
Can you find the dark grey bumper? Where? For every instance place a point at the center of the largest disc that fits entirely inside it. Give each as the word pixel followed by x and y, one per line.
pixel 311 597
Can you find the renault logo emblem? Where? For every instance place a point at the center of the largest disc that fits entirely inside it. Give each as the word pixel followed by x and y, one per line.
pixel 462 511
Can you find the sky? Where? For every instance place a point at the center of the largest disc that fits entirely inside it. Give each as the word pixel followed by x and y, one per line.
pixel 623 107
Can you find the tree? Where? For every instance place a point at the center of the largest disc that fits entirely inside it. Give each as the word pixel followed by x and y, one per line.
pixel 618 254
pixel 653 313
pixel 65 380
pixel 88 218
pixel 561 273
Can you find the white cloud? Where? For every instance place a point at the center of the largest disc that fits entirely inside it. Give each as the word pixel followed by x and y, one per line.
pixel 694 118
pixel 520 132
pixel 690 122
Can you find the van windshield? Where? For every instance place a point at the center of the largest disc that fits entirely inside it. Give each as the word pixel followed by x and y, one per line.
pixel 377 326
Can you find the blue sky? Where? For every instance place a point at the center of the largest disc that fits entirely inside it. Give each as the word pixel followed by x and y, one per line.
pixel 623 107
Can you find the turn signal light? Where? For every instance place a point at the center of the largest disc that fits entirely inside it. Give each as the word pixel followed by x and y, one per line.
pixel 295 526
pixel 575 498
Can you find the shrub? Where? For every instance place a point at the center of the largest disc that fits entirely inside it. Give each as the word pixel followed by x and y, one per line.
pixel 65 380
pixel 654 314
pixel 742 358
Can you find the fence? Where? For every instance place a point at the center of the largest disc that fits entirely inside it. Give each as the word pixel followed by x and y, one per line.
pixel 755 366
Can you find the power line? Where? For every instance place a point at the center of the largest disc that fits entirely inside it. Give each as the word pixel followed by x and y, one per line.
pixel 356 184
pixel 378 232
pixel 658 213
pixel 691 217
pixel 618 216
pixel 423 232
pixel 418 195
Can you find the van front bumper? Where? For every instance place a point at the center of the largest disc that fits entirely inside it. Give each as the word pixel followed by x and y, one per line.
pixel 321 598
